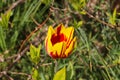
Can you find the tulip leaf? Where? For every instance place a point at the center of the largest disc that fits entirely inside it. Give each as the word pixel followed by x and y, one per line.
pixel 82 12
pixel 46 1
pixel 117 61
pixel 36 75
pixel 60 75
pixel 112 17
pixel 2 39
pixel 80 23
pixel 13 39
pixel 70 70
pixel 4 25
pixel 78 4
pixel 35 54
pixel 5 19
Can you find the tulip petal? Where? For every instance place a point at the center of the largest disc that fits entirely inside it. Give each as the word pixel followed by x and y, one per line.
pixel 48 44
pixel 58 47
pixel 58 52
pixel 59 28
pixel 59 42
pixel 70 47
pixel 53 54
pixel 63 50
pixel 68 32
pixel 51 31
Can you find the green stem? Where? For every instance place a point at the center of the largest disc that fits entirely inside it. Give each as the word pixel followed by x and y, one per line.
pixel 56 65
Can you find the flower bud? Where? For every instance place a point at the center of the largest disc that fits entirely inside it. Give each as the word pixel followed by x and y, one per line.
pixel 59 42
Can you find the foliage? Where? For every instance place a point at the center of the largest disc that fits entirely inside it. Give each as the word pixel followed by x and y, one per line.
pixel 35 54
pixel 60 75
pixel 23 29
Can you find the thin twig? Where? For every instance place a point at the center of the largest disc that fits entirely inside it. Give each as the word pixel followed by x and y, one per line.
pixel 20 54
pixel 46 64
pixel 36 29
pixel 11 57
pixel 4 73
pixel 108 66
pixel 103 22
pixel 14 5
pixel 19 73
pixel 64 19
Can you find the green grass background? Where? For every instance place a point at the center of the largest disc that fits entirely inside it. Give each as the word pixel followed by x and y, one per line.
pixel 97 52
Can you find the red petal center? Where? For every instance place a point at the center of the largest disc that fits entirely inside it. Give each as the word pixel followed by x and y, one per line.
pixel 58 37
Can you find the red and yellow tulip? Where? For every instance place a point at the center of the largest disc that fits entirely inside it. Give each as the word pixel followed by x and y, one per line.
pixel 59 42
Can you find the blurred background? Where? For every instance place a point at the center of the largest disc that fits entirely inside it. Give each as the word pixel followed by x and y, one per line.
pixel 24 23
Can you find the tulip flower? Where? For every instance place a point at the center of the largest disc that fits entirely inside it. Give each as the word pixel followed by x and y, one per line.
pixel 59 42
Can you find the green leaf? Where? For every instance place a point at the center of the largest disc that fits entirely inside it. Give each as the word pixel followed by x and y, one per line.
pixel 35 75
pixel 13 39
pixel 83 12
pixel 70 71
pixel 116 61
pixel 114 14
pixel 35 54
pixel 78 4
pixel 60 75
pixel 112 17
pixel 2 39
pixel 46 1
pixel 80 23
pixel 5 19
